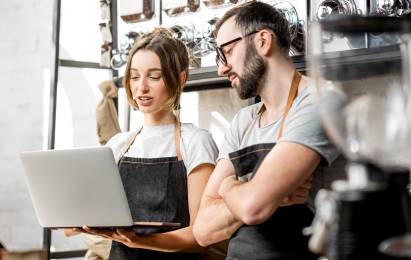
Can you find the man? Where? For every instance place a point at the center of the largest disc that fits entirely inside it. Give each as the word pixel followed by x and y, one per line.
pixel 271 147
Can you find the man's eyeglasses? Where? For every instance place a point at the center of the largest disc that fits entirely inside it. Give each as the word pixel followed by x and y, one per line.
pixel 220 57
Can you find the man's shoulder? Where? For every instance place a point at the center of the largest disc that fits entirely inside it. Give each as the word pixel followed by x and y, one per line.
pixel 307 94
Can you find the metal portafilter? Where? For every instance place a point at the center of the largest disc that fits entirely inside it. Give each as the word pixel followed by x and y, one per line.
pixel 336 7
pixel 393 7
pixel 333 8
pixel 295 25
pixel 119 56
pixel 206 44
pixel 185 31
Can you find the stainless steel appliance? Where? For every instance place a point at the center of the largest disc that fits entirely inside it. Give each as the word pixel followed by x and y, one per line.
pixel 359 217
pixel 394 8
pixel 296 14
pixel 326 9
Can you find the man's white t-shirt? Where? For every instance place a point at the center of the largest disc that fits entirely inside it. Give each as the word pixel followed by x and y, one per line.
pixel 302 125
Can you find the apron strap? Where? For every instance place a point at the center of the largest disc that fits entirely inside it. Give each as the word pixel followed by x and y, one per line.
pixel 177 138
pixel 292 94
pixel 260 110
pixel 129 143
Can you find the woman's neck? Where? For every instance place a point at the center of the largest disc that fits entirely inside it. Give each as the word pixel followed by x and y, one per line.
pixel 159 118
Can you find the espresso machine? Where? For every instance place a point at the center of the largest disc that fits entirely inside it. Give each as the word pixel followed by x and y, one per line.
pixel 364 98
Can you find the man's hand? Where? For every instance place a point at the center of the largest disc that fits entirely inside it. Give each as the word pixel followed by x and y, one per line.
pixel 300 195
pixel 227 183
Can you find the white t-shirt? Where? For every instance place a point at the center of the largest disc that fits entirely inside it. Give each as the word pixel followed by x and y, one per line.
pixel 302 125
pixel 197 145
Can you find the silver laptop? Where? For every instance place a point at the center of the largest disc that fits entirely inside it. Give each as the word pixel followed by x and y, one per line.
pixel 76 187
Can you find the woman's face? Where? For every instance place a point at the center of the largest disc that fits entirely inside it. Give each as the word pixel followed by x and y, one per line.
pixel 146 82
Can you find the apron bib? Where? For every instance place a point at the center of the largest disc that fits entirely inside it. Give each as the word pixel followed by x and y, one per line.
pixel 156 190
pixel 280 237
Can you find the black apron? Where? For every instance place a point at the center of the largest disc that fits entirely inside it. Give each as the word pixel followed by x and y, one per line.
pixel 280 237
pixel 156 190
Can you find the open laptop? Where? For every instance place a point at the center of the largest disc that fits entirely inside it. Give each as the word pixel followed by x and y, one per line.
pixel 77 187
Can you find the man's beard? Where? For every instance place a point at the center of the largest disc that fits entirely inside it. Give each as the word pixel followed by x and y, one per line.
pixel 254 70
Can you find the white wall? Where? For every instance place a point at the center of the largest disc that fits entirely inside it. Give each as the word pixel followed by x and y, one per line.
pixel 25 54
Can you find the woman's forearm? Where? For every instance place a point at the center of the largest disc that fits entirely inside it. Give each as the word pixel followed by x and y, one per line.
pixel 181 240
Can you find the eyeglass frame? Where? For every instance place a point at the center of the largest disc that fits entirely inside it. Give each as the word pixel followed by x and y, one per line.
pixel 220 56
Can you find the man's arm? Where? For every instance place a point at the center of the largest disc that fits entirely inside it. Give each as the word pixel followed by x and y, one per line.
pixel 284 169
pixel 215 222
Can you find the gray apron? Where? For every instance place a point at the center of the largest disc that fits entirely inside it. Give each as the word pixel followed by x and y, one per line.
pixel 156 190
pixel 280 237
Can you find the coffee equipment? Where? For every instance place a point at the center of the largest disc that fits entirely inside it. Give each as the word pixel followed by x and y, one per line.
pixel 136 11
pixel 219 3
pixel 394 8
pixel 334 41
pixel 177 7
pixel 364 98
pixel 120 55
pixel 294 12
pixel 206 43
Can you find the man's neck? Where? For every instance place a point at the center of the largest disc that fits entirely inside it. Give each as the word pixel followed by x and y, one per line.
pixel 274 92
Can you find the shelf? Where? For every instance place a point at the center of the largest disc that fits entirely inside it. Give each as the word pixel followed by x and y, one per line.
pixel 206 78
pixel 361 63
pixel 67 254
pixel 81 64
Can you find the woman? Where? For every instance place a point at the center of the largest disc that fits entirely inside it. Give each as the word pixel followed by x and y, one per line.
pixel 165 165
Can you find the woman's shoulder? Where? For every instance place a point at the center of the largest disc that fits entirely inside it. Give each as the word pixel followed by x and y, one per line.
pixel 119 139
pixel 190 131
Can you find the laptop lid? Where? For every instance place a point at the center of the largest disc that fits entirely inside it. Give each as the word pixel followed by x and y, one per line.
pixel 76 187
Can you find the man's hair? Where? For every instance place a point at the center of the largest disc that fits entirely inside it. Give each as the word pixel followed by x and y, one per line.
pixel 254 16
pixel 173 57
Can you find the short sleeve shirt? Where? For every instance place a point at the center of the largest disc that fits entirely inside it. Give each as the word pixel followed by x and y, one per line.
pixel 302 125
pixel 197 145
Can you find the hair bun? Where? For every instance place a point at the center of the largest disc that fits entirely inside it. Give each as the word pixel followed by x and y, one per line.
pixel 161 31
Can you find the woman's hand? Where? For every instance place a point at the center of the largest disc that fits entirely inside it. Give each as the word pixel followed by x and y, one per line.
pixel 125 236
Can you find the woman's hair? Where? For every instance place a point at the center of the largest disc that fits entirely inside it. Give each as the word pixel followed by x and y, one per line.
pixel 174 60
